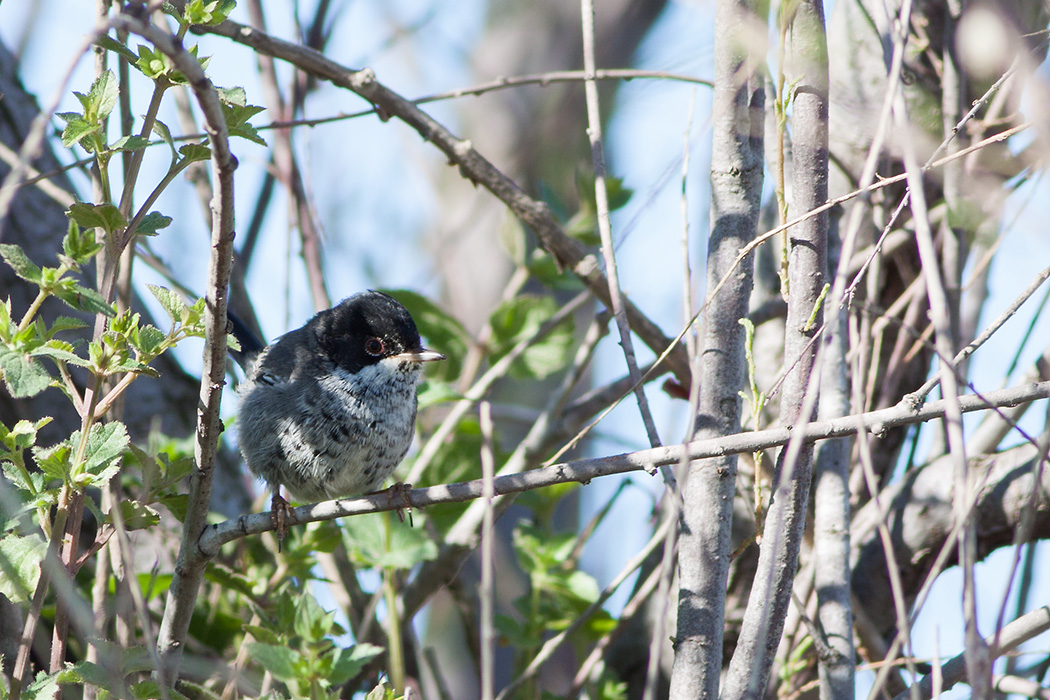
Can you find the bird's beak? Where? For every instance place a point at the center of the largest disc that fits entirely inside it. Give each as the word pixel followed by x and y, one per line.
pixel 421 355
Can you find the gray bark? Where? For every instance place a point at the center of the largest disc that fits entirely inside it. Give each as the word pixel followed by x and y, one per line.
pixel 736 186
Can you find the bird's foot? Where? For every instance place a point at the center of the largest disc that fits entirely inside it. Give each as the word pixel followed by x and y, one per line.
pixel 279 512
pixel 399 495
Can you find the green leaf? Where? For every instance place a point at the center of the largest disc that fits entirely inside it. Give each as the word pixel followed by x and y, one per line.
pixel 23 435
pixel 195 151
pixel 347 663
pixel 65 323
pixel 60 350
pixel 172 303
pixel 312 622
pixel 149 340
pixel 369 543
pixel 30 484
pixel 263 634
pixel 153 64
pixel 130 143
pixel 76 129
pixel 87 672
pixel 7 329
pixel 84 299
pixel 54 461
pixel 80 245
pixel 18 261
pixel 104 216
pixel 137 516
pixel 161 129
pixel 20 559
pixel 110 44
pixel 211 13
pixel 146 690
pixel 230 579
pixel 101 99
pixel 583 586
pixel 443 333
pixel 247 131
pixel 236 112
pixel 151 223
pixel 23 375
pixel 216 629
pixel 278 660
pixel 45 685
pixel 514 633
pixel 105 445
pixel 177 505
pixel 381 692
pixel 543 267
pixel 154 583
pixel 520 318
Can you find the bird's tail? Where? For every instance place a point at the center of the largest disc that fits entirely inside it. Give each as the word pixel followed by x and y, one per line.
pixel 251 344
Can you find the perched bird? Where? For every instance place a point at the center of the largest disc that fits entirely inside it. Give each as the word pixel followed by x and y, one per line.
pixel 328 410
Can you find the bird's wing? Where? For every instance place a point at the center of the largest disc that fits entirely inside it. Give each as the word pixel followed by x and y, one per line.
pixel 289 357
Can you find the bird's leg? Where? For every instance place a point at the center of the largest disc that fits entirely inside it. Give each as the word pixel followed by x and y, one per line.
pixel 399 496
pixel 279 513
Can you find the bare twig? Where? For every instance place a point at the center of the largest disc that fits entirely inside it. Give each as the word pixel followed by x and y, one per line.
pixel 601 197
pixel 486 590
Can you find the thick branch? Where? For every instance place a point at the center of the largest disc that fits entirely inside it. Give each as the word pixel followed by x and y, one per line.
pixel 785 522
pixel 736 187
pixel 921 521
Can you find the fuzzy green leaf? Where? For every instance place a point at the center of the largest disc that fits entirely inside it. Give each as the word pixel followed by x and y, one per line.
pixel 130 143
pixel 209 12
pixel 84 299
pixel 278 660
pixel 20 559
pixel 23 375
pixel 369 543
pixel 104 216
pixel 151 223
pixel 76 129
pixel 172 303
pixel 195 151
pixel 161 129
pixel 110 44
pixel 106 443
pixel 59 350
pixel 18 261
pixel 520 318
pixel 79 245
pixel 347 663
pixel 137 516
pixel 101 99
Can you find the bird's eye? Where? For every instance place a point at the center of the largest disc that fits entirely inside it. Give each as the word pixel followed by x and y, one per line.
pixel 374 347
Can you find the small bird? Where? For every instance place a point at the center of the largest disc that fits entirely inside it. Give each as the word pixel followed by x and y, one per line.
pixel 328 410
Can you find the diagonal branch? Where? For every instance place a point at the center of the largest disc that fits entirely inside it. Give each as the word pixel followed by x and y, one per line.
pixel 567 251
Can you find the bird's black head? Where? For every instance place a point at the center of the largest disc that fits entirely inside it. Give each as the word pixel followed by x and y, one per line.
pixel 366 328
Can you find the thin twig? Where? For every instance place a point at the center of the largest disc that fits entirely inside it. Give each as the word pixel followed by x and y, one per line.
pixel 601 198
pixel 486 589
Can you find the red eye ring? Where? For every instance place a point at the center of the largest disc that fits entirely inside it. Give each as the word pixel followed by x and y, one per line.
pixel 375 346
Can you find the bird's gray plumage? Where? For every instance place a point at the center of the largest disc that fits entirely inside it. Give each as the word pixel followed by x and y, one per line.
pixel 328 410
